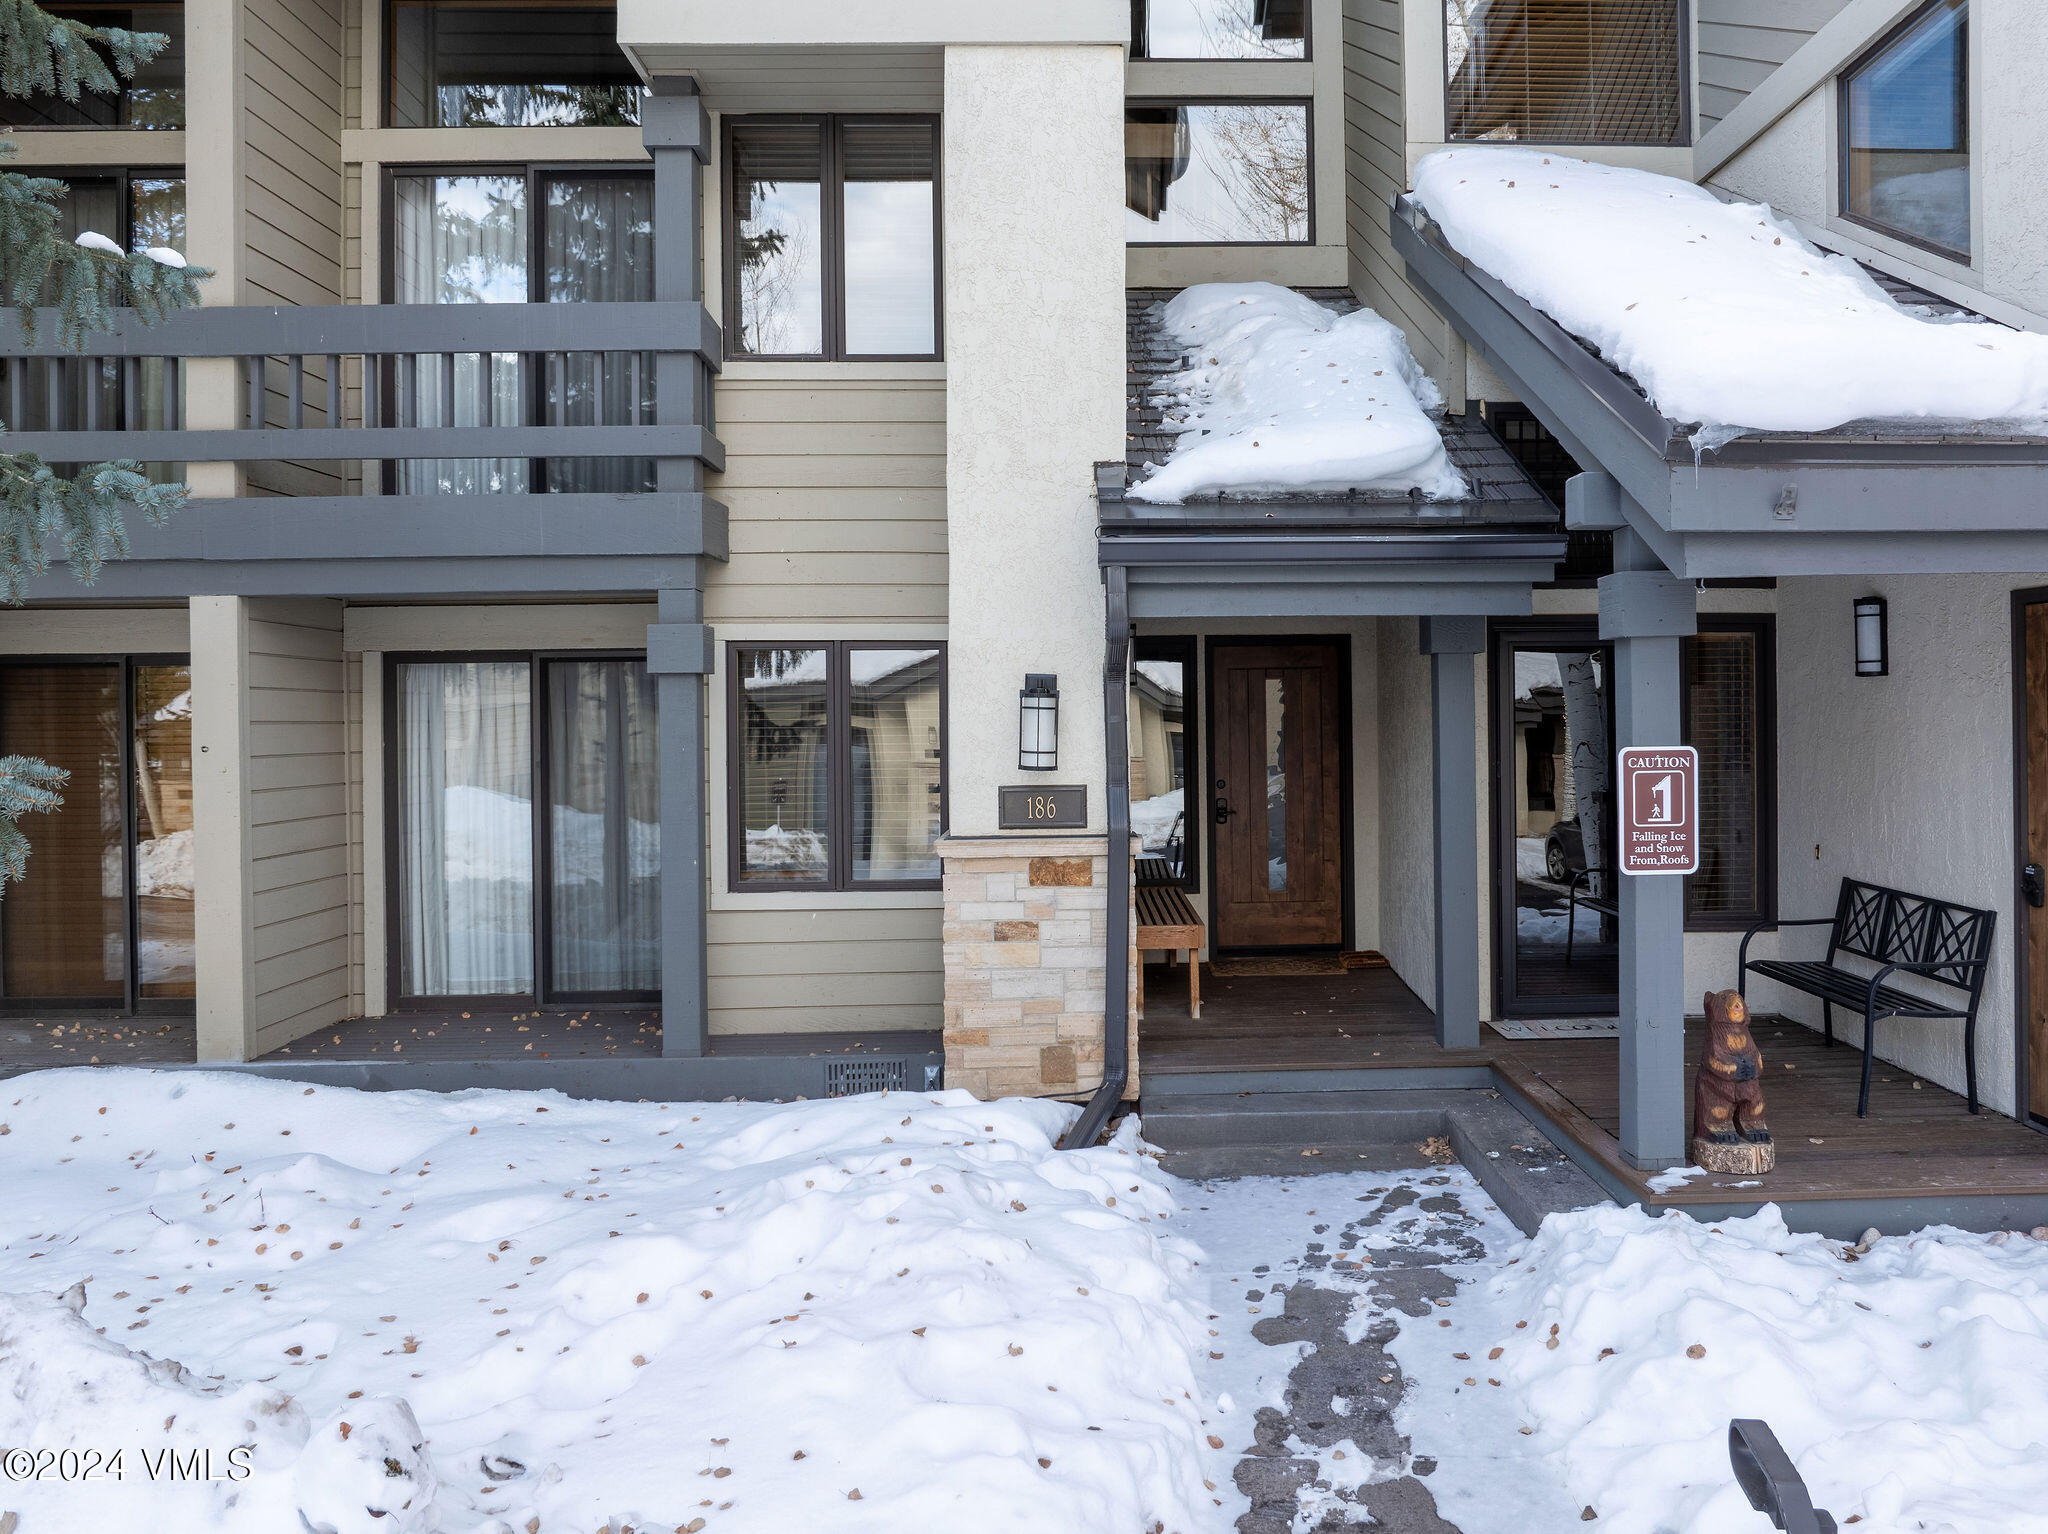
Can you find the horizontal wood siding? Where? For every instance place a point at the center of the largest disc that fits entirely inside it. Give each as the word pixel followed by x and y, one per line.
pixel 1742 41
pixel 838 499
pixel 292 67
pixel 822 971
pixel 1376 170
pixel 298 808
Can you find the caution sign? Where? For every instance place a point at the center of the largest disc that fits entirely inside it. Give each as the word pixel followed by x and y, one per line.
pixel 1660 816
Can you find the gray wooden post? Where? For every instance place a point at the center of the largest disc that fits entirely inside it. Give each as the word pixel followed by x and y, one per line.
pixel 1453 646
pixel 677 133
pixel 1646 611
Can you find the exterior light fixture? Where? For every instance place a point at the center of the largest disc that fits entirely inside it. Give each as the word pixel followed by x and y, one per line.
pixel 1872 643
pixel 1038 723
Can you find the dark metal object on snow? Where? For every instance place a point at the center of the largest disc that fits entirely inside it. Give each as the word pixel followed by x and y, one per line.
pixel 1765 1472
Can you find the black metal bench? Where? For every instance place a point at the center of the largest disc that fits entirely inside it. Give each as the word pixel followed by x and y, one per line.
pixel 1896 931
pixel 1606 905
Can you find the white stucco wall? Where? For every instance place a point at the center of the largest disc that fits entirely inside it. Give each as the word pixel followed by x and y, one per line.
pixel 1904 779
pixel 1034 290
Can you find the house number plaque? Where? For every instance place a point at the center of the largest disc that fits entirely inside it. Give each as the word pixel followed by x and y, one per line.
pixel 1042 809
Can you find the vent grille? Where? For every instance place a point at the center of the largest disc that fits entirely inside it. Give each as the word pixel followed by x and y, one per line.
pixel 848 1078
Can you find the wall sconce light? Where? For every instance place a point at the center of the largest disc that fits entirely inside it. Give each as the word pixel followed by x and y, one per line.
pixel 1038 723
pixel 1872 642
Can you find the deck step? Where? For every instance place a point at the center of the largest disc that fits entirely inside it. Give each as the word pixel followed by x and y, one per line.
pixel 1296 1120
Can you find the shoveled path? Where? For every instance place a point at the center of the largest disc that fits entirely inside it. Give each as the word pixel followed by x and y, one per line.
pixel 1382 1250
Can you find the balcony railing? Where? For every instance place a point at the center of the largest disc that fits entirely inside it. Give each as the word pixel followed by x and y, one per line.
pixel 98 401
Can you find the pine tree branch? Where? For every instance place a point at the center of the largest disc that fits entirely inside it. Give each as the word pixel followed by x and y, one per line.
pixel 45 55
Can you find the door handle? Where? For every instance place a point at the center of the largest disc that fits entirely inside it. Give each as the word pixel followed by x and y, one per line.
pixel 2032 887
pixel 1224 811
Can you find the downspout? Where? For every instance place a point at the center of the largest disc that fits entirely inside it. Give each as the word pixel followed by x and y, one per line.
pixel 1116 958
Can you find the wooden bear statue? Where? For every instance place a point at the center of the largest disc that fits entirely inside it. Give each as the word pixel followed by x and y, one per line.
pixel 1728 1129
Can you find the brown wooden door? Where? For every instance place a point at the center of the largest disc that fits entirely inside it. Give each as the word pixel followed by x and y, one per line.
pixel 2034 750
pixel 1275 797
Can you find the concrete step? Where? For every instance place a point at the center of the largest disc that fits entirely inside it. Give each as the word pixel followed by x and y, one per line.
pixel 1296 1120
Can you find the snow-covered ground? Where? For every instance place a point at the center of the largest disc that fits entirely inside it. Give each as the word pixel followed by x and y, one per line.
pixel 894 1312
pixel 1282 394
pixel 1722 312
pixel 1598 1367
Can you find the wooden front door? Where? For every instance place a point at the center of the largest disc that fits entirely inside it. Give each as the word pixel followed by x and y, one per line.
pixel 2033 851
pixel 1276 794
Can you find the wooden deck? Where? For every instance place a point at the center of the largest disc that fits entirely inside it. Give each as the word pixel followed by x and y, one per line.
pixel 32 1044
pixel 1920 1143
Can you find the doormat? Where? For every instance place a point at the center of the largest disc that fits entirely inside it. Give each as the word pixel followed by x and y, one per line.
pixel 1290 964
pixel 1366 958
pixel 1558 1028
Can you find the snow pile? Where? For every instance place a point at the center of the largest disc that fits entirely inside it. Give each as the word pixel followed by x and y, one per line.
pixel 1724 315
pixel 1152 820
pixel 1908 1381
pixel 1284 395
pixel 903 1311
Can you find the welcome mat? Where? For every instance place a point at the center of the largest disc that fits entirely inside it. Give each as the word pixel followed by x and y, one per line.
pixel 1296 964
pixel 1558 1028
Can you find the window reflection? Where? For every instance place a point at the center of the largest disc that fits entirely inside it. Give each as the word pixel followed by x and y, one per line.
pixel 162 727
pixel 894 763
pixel 779 239
pixel 1159 760
pixel 1564 825
pixel 1219 29
pixel 888 190
pixel 1217 173
pixel 784 799
pixel 509 65
pixel 1907 131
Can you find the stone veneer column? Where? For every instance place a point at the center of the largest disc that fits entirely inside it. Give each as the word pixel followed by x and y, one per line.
pixel 1025 920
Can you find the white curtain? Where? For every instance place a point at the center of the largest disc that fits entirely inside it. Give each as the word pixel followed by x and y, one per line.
pixel 605 854
pixel 461 240
pixel 465 804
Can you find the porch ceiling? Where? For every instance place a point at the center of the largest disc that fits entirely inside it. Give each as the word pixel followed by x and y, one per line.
pixel 1866 499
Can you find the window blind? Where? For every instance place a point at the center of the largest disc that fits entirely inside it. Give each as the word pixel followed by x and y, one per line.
pixel 1566 71
pixel 1724 722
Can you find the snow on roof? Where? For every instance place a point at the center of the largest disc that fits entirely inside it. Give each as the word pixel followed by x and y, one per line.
pixel 1163 674
pixel 1284 395
pixel 1724 315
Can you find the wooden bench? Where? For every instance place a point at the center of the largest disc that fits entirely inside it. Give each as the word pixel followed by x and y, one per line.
pixel 1947 943
pixel 1167 923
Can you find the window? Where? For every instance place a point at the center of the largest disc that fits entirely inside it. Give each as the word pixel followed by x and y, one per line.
pixel 1162 718
pixel 135 209
pixel 508 64
pixel 1566 71
pixel 527 829
pixel 104 916
pixel 1216 173
pixel 832 237
pixel 153 98
pixel 517 235
pixel 1906 131
pixel 1219 29
pixel 1731 720
pixel 836 765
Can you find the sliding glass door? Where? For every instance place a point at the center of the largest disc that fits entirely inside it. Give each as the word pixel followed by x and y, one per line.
pixel 519 777
pixel 103 919
pixel 513 236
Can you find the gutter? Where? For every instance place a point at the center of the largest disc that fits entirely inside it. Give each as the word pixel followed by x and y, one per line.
pixel 1116 958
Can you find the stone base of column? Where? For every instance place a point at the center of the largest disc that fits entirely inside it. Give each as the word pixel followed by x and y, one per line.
pixel 1025 924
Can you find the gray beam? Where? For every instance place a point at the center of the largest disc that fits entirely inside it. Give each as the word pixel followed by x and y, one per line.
pixel 314 443
pixel 132 580
pixel 1124 544
pixel 484 527
pixel 1453 645
pixel 1254 598
pixel 354 330
pixel 679 654
pixel 1652 920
